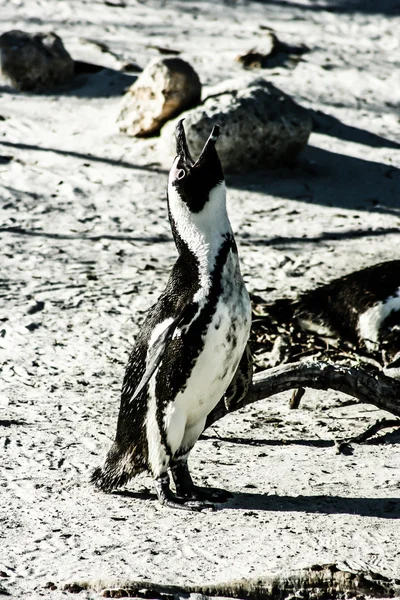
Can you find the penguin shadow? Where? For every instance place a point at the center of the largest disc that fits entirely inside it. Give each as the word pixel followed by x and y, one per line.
pixel 384 508
pixel 388 508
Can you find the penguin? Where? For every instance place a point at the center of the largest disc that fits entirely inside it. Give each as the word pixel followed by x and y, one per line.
pixel 191 351
pixel 362 308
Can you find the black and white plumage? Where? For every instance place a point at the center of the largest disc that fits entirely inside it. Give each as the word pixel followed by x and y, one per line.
pixel 191 343
pixel 362 308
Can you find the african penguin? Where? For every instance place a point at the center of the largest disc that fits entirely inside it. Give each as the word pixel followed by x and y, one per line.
pixel 191 344
pixel 363 308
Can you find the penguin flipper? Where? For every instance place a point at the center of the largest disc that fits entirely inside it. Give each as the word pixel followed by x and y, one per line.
pixel 155 354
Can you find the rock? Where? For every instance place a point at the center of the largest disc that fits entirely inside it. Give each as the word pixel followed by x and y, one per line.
pixel 261 126
pixel 254 57
pixel 271 53
pixel 165 88
pixel 32 326
pixel 34 308
pixel 34 62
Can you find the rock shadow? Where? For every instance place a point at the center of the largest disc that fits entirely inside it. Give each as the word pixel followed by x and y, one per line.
pixel 329 179
pixel 89 81
pixel 330 125
pixel 368 7
pixel 101 83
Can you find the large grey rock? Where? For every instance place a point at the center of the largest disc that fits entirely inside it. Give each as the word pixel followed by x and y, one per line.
pixel 261 126
pixel 35 62
pixel 166 87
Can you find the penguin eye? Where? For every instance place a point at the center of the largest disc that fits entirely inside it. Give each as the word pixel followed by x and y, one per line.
pixel 181 174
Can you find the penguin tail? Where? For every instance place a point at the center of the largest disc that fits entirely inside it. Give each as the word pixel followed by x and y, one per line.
pixel 118 469
pixel 106 481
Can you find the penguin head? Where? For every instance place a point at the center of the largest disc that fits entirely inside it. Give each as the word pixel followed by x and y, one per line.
pixel 194 180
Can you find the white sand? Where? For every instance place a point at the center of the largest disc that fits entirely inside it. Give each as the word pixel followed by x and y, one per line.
pixel 94 245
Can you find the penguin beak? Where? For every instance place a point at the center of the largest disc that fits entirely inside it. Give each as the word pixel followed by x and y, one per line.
pixel 209 146
pixel 193 181
pixel 182 149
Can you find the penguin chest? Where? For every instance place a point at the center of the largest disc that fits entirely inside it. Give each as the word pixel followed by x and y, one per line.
pixel 222 345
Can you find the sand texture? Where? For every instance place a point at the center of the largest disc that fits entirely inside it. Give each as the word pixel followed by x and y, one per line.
pixel 86 249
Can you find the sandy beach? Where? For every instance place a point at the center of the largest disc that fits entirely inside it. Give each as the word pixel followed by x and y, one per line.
pixel 86 249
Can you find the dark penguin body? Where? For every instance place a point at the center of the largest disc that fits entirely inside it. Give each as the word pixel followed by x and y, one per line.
pixel 191 343
pixel 362 308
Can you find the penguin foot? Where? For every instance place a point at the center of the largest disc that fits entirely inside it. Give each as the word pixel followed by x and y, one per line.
pixel 210 494
pixel 185 487
pixel 171 500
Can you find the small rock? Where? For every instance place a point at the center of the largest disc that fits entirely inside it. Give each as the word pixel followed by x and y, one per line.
pixel 115 3
pixel 130 67
pixel 255 56
pixel 164 49
pixel 3 591
pixel 165 88
pixel 50 586
pixel 35 62
pixel 37 307
pixel 271 53
pixel 73 588
pixel 261 126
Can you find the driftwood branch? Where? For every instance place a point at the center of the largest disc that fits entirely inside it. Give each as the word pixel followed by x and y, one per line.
pixel 296 397
pixel 316 583
pixel 377 389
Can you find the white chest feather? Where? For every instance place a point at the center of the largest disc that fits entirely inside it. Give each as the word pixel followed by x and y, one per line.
pixel 223 345
pixel 370 322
